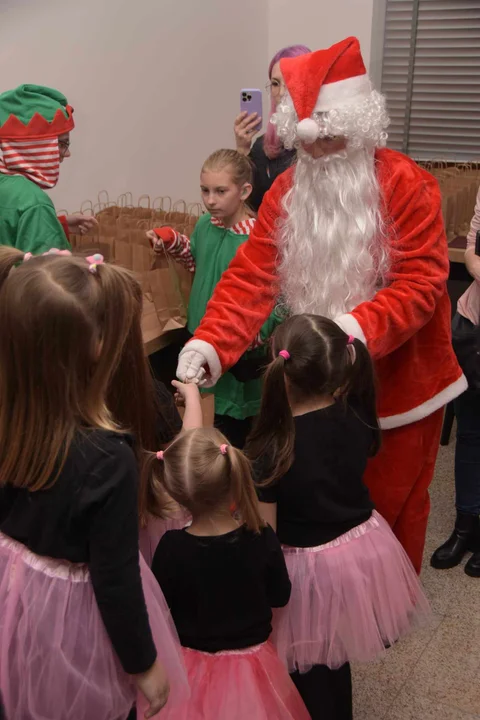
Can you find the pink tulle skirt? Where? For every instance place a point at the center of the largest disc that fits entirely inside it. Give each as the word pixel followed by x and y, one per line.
pixel 250 684
pixel 156 528
pixel 56 659
pixel 351 598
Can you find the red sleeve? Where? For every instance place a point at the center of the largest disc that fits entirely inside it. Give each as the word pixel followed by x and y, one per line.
pixel 246 294
pixel 419 261
pixel 63 221
pixel 177 245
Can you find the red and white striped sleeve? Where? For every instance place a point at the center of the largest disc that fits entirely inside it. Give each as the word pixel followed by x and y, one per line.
pixel 177 245
pixel 180 249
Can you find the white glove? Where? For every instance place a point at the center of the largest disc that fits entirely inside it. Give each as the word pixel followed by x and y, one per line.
pixel 193 362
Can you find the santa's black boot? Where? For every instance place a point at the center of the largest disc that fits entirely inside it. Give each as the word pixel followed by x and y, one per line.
pixel 465 538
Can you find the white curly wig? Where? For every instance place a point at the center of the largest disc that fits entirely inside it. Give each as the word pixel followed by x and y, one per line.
pixel 363 122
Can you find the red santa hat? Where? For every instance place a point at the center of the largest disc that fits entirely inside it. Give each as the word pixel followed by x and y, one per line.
pixel 323 81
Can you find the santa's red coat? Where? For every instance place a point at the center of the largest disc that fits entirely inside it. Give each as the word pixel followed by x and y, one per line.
pixel 406 326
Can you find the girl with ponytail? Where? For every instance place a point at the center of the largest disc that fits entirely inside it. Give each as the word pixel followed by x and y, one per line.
pixel 83 621
pixel 221 577
pixel 354 590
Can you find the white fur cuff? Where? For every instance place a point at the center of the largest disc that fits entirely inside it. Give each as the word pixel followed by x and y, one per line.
pixel 351 326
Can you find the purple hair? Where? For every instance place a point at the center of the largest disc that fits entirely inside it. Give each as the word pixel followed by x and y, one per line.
pixel 271 144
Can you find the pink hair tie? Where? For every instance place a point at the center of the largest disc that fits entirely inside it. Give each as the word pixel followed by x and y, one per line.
pixel 350 340
pixel 160 455
pixel 56 251
pixel 223 449
pixel 284 354
pixel 93 261
pixel 27 256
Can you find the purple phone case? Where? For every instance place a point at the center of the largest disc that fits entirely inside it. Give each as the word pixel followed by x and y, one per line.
pixel 251 102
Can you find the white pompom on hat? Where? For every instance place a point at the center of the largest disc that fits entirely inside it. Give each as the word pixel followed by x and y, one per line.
pixel 308 131
pixel 325 80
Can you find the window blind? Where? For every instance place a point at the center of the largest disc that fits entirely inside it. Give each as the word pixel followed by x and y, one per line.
pixel 431 77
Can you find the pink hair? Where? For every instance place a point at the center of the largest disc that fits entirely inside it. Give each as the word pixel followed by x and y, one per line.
pixel 271 144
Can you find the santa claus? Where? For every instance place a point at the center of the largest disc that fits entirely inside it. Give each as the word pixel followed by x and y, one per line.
pixel 354 232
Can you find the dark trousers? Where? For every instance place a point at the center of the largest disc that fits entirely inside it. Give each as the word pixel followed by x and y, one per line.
pixel 467 452
pixel 235 431
pixel 327 694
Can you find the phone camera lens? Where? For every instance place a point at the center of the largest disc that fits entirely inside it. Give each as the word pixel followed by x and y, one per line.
pixel 249 97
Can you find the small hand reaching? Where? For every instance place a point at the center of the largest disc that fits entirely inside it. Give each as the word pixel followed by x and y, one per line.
pixel 81 224
pixel 188 397
pixel 185 392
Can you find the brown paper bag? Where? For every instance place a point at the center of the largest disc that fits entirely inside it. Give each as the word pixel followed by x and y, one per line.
pixel 161 285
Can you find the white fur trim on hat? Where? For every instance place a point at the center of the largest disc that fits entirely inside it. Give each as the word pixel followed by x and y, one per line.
pixel 344 92
pixel 308 131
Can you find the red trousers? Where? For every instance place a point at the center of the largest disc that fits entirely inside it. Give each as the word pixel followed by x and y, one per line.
pixel 399 477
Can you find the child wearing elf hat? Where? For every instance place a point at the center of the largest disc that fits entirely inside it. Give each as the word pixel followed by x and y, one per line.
pixel 35 125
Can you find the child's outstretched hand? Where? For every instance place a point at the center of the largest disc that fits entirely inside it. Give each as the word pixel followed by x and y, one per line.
pixel 188 396
pixel 185 392
pixel 154 685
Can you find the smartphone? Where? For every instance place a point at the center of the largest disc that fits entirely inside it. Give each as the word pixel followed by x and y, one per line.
pixel 251 102
pixel 477 243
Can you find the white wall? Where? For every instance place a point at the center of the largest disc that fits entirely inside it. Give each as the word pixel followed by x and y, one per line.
pixel 320 23
pixel 155 84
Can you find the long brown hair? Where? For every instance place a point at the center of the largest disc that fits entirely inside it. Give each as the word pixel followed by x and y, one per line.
pixel 200 478
pixel 63 332
pixel 320 364
pixel 133 400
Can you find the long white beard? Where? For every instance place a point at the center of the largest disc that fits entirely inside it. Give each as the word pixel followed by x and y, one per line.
pixel 331 243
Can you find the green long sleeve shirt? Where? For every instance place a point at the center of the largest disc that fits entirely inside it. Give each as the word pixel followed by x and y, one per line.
pixel 213 248
pixel 28 220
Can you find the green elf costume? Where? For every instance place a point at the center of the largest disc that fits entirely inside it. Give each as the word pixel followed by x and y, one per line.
pixel 208 253
pixel 32 118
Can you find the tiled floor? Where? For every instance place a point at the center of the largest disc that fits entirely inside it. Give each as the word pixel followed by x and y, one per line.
pixel 435 673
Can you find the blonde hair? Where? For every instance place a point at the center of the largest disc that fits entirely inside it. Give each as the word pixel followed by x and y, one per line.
pixel 202 478
pixel 240 166
pixel 63 333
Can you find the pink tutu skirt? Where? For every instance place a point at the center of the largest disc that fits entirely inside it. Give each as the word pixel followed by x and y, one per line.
pixel 351 599
pixel 156 528
pixel 56 659
pixel 250 684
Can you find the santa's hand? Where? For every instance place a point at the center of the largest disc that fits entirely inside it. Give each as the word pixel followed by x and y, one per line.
pixel 193 361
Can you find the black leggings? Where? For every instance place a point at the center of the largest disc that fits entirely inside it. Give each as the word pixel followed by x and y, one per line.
pixel 326 693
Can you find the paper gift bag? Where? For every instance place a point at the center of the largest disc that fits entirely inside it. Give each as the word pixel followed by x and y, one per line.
pixel 162 287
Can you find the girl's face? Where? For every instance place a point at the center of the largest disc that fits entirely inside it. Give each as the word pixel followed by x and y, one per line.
pixel 277 84
pixel 221 196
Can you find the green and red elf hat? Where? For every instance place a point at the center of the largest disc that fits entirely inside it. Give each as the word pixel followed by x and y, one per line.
pixel 33 112
pixel 32 118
